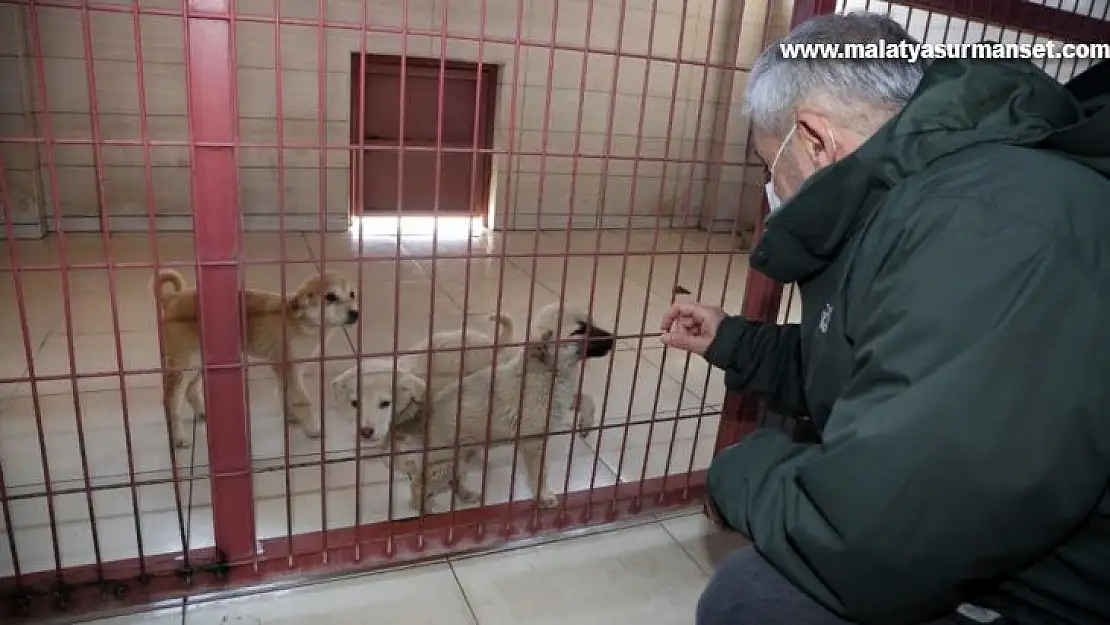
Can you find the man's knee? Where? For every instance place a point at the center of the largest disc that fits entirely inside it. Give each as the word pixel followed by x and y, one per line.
pixel 728 588
pixel 747 590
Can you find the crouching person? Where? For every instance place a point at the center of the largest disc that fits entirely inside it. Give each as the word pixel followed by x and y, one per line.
pixel 949 228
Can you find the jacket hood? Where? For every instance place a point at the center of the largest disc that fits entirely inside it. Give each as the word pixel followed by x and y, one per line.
pixel 959 104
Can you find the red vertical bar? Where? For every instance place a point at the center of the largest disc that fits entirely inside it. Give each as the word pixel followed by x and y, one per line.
pixel 514 87
pixel 210 89
pixel 805 9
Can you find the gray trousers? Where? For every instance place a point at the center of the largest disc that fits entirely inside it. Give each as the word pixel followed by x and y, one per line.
pixel 747 590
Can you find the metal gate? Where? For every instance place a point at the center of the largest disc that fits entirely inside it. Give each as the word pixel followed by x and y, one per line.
pixel 218 139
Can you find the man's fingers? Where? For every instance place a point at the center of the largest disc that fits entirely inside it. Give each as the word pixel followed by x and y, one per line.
pixel 690 315
pixel 677 341
pixel 668 320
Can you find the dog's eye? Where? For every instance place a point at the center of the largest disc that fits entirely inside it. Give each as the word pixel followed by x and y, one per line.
pixel 331 297
pixel 383 403
pixel 354 403
pixel 352 294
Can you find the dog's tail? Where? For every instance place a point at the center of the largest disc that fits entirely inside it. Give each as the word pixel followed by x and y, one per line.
pixel 506 326
pixel 164 277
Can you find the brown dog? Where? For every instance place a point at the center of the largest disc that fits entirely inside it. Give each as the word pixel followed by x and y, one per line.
pixel 325 300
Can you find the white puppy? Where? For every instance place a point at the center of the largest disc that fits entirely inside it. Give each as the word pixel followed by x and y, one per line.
pixel 544 374
pixel 379 410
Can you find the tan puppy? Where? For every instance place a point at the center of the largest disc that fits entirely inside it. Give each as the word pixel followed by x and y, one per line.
pixel 547 375
pixel 380 409
pixel 325 300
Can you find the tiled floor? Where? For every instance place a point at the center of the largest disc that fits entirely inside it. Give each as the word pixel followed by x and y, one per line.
pixel 644 391
pixel 648 574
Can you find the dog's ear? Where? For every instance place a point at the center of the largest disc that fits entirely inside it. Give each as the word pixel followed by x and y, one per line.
pixel 341 385
pixel 298 303
pixel 413 386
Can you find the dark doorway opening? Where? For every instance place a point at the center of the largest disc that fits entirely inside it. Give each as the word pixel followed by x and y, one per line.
pixel 464 172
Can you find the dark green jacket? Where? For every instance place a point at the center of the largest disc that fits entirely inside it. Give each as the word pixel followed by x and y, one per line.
pixel 955 354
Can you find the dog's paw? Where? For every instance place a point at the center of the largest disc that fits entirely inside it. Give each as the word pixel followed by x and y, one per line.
pixel 181 442
pixel 467 496
pixel 548 500
pixel 311 429
pixel 429 506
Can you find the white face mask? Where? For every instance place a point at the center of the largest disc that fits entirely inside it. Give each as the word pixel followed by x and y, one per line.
pixel 773 201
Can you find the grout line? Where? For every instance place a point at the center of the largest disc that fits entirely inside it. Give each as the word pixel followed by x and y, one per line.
pixel 683 547
pixel 462 591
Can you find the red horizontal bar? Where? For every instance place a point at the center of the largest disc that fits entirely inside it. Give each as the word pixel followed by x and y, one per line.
pixel 386 30
pixel 374 259
pixel 240 364
pixel 380 148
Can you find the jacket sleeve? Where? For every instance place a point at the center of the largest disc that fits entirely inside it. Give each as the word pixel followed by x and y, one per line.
pixel 971 440
pixel 763 358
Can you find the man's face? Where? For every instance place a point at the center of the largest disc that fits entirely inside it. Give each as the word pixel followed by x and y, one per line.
pixel 784 173
pixel 811 146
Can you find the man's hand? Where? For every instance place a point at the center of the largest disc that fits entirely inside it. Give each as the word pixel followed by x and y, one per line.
pixel 691 326
pixel 711 511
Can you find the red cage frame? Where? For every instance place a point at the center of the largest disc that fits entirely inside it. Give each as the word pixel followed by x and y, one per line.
pixel 238 557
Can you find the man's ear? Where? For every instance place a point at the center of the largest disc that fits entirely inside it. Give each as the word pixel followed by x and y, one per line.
pixel 817 139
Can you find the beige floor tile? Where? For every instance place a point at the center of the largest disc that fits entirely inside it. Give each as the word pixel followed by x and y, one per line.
pixel 637 576
pixel 638 240
pixel 77 248
pixel 411 311
pixel 528 242
pixel 666 455
pixel 267 245
pixel 632 389
pixel 115 532
pixel 41 294
pixel 705 543
pixel 346 246
pixel 167 616
pixel 96 354
pixel 454 270
pixel 135 247
pixel 707 277
pixel 425 595
pixel 521 299
pixel 701 379
pixel 378 275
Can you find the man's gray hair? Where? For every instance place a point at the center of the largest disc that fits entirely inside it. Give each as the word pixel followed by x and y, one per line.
pixel 851 90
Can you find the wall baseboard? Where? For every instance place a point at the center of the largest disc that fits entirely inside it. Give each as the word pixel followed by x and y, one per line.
pixel 31 230
pixel 178 223
pixel 339 223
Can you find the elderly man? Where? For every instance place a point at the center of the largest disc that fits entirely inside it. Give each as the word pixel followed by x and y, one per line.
pixel 949 228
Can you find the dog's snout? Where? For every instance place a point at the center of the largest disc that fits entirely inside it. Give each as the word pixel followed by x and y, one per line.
pixel 598 342
pixel 366 432
pixel 352 316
